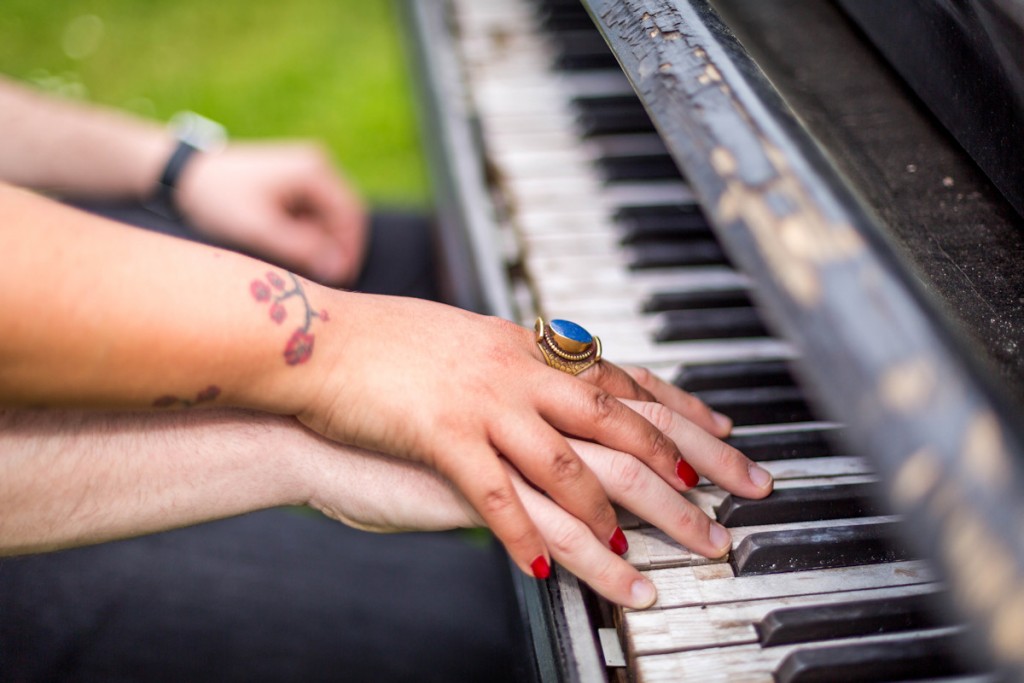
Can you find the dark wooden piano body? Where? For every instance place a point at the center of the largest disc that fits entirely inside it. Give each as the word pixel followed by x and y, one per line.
pixel 884 264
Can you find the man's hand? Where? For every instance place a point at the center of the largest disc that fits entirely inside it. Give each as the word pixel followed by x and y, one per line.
pixel 284 202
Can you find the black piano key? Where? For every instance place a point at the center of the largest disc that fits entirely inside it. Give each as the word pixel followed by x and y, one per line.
pixel 759 405
pixel 675 254
pixel 638 167
pixel 583 50
pixel 708 298
pixel 774 373
pixel 783 445
pixel 805 504
pixel 928 655
pixel 789 625
pixel 825 547
pixel 661 223
pixel 709 323
pixel 611 115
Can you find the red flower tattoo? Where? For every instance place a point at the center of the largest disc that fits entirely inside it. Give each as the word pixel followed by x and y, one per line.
pixel 275 280
pixel 259 290
pixel 299 348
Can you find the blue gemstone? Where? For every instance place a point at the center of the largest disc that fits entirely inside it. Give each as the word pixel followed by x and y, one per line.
pixel 571 331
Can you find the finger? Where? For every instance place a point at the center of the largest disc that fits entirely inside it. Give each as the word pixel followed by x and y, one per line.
pixel 547 460
pixel 576 549
pixel 635 487
pixel 715 459
pixel 684 403
pixel 343 221
pixel 482 479
pixel 588 412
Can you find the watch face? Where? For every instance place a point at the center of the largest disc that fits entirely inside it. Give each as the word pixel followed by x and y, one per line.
pixel 198 131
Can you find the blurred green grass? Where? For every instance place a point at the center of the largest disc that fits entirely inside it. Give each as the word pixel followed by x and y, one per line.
pixel 328 69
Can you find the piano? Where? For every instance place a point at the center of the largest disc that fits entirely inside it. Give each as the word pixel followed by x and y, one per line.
pixel 774 205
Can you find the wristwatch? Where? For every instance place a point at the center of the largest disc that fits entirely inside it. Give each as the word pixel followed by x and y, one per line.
pixel 194 133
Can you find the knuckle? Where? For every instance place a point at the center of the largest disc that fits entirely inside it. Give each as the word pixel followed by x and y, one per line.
pixel 691 518
pixel 658 415
pixel 603 406
pixel 569 537
pixel 497 500
pixel 566 466
pixel 628 475
pixel 661 445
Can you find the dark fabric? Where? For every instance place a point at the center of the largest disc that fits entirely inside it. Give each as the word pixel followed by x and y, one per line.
pixel 273 596
pixel 277 596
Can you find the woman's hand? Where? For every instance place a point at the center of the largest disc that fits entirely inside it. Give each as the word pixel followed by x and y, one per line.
pixel 282 201
pixel 462 393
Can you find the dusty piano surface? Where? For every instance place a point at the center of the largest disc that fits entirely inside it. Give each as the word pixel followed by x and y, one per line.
pixel 804 277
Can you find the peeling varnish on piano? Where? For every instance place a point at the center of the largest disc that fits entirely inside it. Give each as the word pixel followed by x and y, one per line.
pixel 791 232
pixel 908 386
pixel 986 582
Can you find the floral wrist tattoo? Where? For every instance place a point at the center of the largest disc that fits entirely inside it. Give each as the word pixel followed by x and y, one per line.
pixel 300 345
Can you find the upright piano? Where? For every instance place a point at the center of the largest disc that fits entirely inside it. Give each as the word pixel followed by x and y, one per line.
pixel 808 214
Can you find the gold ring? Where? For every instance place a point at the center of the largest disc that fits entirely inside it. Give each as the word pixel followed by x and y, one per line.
pixel 567 346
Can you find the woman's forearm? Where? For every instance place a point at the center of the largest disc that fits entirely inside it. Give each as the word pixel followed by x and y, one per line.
pixel 99 314
pixel 76 149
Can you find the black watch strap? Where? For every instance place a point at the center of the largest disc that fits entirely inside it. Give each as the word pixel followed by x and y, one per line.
pixel 164 196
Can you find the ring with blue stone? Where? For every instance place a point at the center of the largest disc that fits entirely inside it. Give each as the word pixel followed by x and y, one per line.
pixel 567 346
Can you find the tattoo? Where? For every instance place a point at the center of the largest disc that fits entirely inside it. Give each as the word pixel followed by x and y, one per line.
pixel 205 396
pixel 275 290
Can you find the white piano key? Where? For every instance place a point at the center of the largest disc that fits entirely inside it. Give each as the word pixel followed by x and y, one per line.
pixel 747 663
pixel 714 583
pixel 651 548
pixel 707 626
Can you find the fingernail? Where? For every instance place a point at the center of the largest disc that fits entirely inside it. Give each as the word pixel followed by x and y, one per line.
pixel 719 537
pixel 643 593
pixel 540 567
pixel 721 421
pixel 618 542
pixel 759 476
pixel 686 473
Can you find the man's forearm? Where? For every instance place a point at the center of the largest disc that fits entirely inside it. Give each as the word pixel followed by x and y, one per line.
pixel 75 478
pixel 77 149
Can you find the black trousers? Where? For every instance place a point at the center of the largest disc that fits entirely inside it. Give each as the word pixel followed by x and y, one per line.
pixel 276 596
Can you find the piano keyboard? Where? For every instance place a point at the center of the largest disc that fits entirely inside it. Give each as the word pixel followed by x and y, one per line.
pixel 606 232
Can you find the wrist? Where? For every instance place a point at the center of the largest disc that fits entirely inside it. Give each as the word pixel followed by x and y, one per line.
pixel 193 135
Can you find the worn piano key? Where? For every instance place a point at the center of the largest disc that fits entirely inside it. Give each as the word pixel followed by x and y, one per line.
pixel 886 614
pixel 645 222
pixel 913 658
pixel 638 167
pixel 736 623
pixel 756 663
pixel 715 583
pixel 801 505
pixel 710 298
pixel 650 547
pixel 678 254
pixel 583 50
pixel 709 323
pixel 611 115
pixel 734 375
pixel 759 405
pixel 784 443
pixel 794 550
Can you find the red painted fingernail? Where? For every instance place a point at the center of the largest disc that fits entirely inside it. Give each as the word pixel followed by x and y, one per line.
pixel 618 542
pixel 540 567
pixel 686 473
